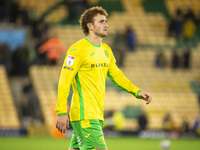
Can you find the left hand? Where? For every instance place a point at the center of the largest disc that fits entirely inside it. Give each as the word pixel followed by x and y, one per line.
pixel 145 96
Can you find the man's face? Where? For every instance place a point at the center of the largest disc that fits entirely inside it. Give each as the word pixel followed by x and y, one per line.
pixel 100 26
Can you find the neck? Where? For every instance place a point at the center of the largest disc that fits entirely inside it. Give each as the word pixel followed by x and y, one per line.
pixel 96 40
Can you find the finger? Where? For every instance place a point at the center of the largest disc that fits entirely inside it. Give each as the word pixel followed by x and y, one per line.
pixel 63 128
pixel 60 128
pixel 147 95
pixel 150 97
pixel 143 96
pixel 57 126
pixel 67 123
pixel 149 100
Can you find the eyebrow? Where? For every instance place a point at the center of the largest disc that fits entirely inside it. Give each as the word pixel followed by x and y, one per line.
pixel 102 20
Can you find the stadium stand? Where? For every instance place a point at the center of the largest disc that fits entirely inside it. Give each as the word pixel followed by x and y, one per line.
pixel 171 89
pixel 41 8
pixel 172 5
pixel 150 27
pixel 8 114
pixel 45 79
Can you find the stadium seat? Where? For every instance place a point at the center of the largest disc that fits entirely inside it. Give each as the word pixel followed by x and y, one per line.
pixel 171 90
pixel 7 105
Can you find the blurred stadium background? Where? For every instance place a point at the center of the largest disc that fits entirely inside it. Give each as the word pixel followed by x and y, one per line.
pixel 29 72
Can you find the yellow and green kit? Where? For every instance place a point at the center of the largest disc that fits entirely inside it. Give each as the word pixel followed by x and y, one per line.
pixel 86 67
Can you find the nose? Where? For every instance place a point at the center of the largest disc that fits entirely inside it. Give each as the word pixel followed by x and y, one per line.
pixel 106 24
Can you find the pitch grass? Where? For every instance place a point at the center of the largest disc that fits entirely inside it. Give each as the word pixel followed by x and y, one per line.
pixel 121 143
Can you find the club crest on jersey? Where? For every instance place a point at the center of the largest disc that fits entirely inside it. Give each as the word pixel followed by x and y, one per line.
pixel 70 60
pixel 106 53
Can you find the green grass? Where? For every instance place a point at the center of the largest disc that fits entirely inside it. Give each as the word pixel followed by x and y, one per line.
pixel 122 143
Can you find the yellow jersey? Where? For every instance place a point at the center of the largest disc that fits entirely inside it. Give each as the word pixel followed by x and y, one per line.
pixel 86 67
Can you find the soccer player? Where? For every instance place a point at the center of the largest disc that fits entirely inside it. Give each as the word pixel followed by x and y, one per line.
pixel 86 66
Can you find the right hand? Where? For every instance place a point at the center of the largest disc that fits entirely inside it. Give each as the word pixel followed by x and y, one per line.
pixel 62 123
pixel 145 96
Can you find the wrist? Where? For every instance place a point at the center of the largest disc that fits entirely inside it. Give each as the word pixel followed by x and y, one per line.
pixel 62 114
pixel 137 94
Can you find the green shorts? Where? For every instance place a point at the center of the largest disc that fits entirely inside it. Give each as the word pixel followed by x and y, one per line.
pixel 87 135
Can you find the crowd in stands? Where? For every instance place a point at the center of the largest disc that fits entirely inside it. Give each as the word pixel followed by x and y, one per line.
pixel 183 25
pixel 116 120
pixel 170 126
pixel 46 51
pixel 179 59
pixel 123 42
pixel 75 7
pixel 11 12
pixel 17 61
pixel 29 112
pixel 41 49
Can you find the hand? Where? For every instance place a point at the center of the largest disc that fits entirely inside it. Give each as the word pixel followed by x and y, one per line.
pixel 145 96
pixel 62 123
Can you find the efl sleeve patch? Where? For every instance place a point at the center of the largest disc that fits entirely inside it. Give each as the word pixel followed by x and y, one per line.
pixel 68 68
pixel 70 60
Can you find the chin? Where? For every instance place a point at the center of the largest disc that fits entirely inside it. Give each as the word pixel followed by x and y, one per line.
pixel 104 35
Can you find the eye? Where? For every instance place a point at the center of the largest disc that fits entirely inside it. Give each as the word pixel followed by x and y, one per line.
pixel 102 21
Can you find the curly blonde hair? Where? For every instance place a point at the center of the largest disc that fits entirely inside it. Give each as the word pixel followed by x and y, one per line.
pixel 88 16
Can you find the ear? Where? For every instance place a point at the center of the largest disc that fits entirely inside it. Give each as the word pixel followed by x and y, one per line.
pixel 89 25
